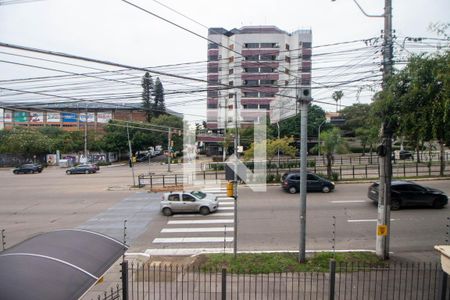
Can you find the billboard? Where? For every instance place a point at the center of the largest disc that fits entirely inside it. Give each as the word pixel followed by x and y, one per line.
pixel 7 116
pixel 36 117
pixel 104 117
pixel 20 116
pixel 53 117
pixel 69 117
pixel 90 117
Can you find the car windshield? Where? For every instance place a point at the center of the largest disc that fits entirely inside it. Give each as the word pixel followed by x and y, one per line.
pixel 198 194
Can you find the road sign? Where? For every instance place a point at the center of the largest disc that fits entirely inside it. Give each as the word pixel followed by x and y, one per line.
pixel 382 230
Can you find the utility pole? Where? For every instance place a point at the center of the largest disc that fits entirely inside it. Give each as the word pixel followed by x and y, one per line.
pixel 169 148
pixel 304 100
pixel 85 132
pixel 130 155
pixel 385 150
pixel 235 179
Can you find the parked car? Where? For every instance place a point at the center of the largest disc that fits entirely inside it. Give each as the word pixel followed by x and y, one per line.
pixel 290 182
pixel 195 201
pixel 405 154
pixel 28 168
pixel 81 169
pixel 93 165
pixel 408 193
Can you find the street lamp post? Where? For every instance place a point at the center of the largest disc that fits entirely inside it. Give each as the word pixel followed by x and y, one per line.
pixel 318 139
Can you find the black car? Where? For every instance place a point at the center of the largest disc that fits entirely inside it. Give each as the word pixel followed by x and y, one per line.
pixel 28 169
pixel 290 182
pixel 81 169
pixel 408 193
pixel 405 154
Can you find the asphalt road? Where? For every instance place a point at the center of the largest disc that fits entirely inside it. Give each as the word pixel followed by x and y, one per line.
pixel 35 203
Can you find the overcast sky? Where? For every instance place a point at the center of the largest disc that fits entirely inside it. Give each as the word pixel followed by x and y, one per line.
pixel 115 31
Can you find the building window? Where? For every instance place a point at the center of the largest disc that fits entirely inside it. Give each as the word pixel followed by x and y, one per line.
pixel 306 56
pixel 267 70
pixel 252 57
pixel 286 71
pixel 251 82
pixel 230 71
pixel 213 57
pixel 287 59
pixel 264 106
pixel 287 47
pixel 269 45
pixel 267 82
pixel 251 70
pixel 305 44
pixel 230 83
pixel 251 45
pixel 231 95
pixel 250 94
pixel 213 69
pixel 267 95
pixel 266 57
pixel 250 106
pixel 213 46
pixel 212 94
pixel 231 59
pixel 212 105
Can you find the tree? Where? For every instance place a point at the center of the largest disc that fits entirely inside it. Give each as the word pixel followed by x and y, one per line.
pixel 272 146
pixel 332 142
pixel 356 116
pixel 147 90
pixel 159 106
pixel 416 101
pixel 337 96
pixel 291 126
pixel 25 141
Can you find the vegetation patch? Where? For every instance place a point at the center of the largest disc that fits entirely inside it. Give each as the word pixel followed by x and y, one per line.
pixel 258 263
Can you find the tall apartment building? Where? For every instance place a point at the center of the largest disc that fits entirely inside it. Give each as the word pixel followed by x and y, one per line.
pixel 262 66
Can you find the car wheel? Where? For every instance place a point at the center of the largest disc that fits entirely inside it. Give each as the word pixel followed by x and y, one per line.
pixel 292 190
pixel 68 172
pixel 395 204
pixel 86 172
pixel 326 189
pixel 438 203
pixel 167 211
pixel 204 210
pixel 16 172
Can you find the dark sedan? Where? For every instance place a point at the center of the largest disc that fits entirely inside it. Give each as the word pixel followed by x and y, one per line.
pixel 28 169
pixel 408 193
pixel 290 182
pixel 81 169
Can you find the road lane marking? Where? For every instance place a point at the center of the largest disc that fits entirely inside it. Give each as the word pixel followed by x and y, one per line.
pixel 193 240
pixel 350 201
pixel 366 220
pixel 198 229
pixel 225 208
pixel 226 203
pixel 214 221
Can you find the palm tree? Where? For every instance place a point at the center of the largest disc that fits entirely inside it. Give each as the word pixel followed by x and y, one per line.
pixel 337 95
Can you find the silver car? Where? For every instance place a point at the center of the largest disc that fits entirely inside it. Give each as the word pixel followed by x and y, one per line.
pixel 195 201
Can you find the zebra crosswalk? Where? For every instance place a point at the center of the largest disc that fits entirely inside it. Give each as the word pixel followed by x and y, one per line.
pixel 188 234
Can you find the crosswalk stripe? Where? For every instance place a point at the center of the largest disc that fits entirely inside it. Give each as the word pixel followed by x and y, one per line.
pixel 187 251
pixel 193 240
pixel 209 221
pixel 198 229
pixel 193 215
pixel 226 208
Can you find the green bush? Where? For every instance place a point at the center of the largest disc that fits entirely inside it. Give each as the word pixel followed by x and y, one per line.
pixel 311 163
pixel 270 178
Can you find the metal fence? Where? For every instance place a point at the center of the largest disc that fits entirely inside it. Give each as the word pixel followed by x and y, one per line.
pixel 341 281
pixel 343 172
